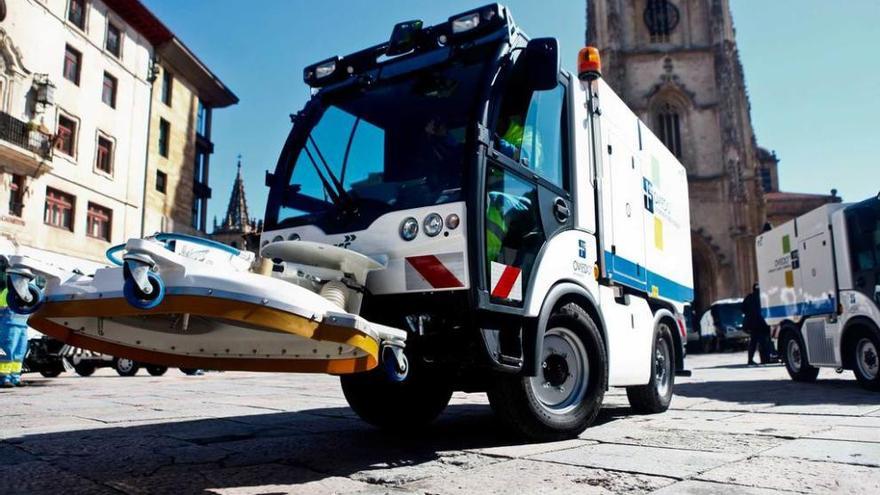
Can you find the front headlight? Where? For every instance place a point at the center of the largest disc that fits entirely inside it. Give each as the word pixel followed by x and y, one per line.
pixel 409 228
pixel 433 224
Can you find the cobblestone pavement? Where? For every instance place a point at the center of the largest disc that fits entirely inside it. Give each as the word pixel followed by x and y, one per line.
pixel 731 429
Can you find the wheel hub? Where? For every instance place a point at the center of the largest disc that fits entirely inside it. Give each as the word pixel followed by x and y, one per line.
pixel 555 370
pixel 868 360
pixel 562 382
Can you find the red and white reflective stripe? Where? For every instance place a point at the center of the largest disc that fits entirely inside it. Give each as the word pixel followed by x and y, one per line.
pixel 442 271
pixel 506 281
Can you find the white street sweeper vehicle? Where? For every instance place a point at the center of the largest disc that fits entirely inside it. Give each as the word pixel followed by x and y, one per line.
pixel 449 204
pixel 819 276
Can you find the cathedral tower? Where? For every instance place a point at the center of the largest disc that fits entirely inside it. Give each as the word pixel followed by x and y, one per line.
pixel 675 63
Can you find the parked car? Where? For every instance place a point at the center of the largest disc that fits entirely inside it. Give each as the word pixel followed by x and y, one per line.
pixel 721 326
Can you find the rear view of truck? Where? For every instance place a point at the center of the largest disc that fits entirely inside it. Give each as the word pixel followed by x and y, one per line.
pixel 820 288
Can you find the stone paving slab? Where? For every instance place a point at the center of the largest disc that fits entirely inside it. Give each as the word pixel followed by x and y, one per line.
pixel 862 453
pixel 521 476
pixel 640 459
pixel 693 487
pixel 853 433
pixel 782 473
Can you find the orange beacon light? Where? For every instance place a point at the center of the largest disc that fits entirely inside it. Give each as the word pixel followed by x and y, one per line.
pixel 589 64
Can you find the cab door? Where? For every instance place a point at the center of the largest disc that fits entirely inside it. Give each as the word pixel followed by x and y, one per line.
pixel 527 192
pixel 863 231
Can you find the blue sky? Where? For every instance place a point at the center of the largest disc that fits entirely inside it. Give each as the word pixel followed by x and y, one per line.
pixel 811 68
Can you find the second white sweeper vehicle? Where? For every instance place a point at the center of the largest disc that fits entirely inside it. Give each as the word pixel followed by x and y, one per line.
pixel 450 204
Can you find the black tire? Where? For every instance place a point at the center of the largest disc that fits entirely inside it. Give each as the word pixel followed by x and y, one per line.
pixel 126 367
pixel 516 402
pixel 410 404
pixel 51 372
pixel 156 370
pixel 656 396
pixel 190 371
pixel 84 369
pixel 794 355
pixel 866 359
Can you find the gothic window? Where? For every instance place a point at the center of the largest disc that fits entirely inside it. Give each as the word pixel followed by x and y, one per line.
pixel 668 125
pixel 661 17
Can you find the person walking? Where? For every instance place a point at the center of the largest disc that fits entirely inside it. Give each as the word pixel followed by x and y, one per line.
pixel 759 331
pixel 13 340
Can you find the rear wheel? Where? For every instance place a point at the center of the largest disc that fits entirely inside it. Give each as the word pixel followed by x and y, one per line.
pixel 795 357
pixel 656 396
pixel 126 367
pixel 566 395
pixel 156 370
pixel 407 404
pixel 866 360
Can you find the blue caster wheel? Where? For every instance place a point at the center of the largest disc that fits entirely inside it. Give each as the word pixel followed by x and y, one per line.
pixel 19 305
pixel 396 364
pixel 137 298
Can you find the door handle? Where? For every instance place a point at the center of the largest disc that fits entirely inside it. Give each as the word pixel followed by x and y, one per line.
pixel 561 210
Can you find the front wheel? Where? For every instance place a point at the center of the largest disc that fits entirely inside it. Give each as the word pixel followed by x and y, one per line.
pixel 656 396
pixel 794 355
pixel 566 395
pixel 19 305
pixel 126 367
pixel 84 369
pixel 51 372
pixel 866 360
pixel 387 403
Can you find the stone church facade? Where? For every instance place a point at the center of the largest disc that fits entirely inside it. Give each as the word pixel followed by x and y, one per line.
pixel 676 64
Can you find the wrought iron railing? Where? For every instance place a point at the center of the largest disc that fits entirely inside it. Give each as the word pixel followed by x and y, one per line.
pixel 20 134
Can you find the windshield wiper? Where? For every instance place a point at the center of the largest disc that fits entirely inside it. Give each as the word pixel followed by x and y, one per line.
pixel 327 187
pixel 340 190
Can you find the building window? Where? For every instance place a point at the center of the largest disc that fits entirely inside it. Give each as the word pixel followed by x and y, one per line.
pixel 59 209
pixel 766 179
pixel 202 120
pixel 661 17
pixel 200 204
pixel 113 43
pixel 72 64
pixel 200 167
pixel 167 83
pixel 108 94
pixel 161 181
pixel 76 13
pixel 164 135
pixel 98 222
pixel 104 160
pixel 669 128
pixel 16 195
pixel 65 140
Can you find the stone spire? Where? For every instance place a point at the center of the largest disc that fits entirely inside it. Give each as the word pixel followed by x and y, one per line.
pixel 236 218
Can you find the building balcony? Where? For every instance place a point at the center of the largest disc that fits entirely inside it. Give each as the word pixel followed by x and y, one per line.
pixel 22 145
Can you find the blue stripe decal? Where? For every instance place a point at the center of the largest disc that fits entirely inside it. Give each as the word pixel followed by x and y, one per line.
pixel 625 272
pixel 809 308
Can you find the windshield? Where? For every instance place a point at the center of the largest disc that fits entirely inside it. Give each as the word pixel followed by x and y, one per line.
pixel 394 146
pixel 864 235
pixel 729 315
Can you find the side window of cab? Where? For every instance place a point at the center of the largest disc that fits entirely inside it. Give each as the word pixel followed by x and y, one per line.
pixel 531 127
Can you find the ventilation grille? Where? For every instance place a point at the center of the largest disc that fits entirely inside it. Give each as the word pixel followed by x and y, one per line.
pixel 820 347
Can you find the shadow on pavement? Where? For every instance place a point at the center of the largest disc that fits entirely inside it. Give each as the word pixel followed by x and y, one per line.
pixel 780 392
pixel 288 448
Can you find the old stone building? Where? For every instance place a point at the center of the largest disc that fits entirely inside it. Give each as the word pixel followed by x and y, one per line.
pixel 238 229
pixel 179 150
pixel 74 106
pixel 85 86
pixel 676 64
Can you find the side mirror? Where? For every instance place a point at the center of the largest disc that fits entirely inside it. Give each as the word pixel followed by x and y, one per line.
pixel 542 63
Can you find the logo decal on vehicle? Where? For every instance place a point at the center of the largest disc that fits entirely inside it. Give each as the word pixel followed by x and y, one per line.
pixel 349 238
